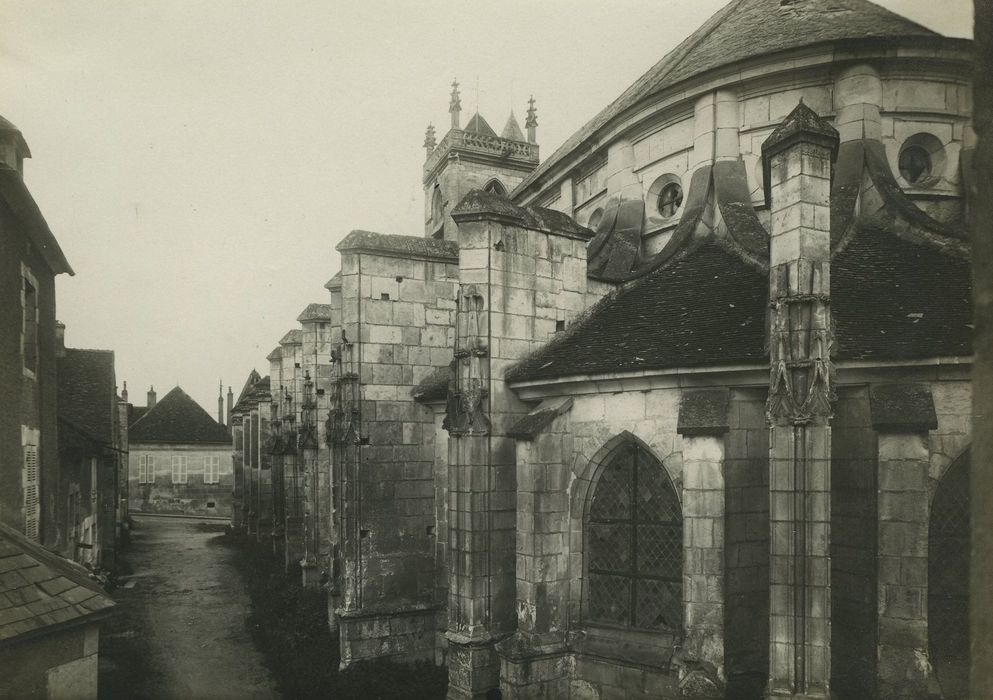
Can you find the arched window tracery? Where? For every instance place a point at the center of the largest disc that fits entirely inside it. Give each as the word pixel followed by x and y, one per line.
pixel 634 534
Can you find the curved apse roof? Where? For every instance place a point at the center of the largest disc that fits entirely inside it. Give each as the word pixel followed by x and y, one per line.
pixel 746 29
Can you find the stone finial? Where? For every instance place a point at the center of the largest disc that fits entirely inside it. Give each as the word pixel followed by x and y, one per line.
pixel 802 124
pixel 455 106
pixel 429 139
pixel 531 123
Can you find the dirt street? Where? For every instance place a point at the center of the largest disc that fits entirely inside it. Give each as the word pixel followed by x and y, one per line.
pixel 179 631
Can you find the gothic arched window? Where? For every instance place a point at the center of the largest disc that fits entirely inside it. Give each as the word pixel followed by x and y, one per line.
pixel 496 187
pixel 634 535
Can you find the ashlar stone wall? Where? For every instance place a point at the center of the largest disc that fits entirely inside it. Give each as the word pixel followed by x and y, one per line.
pixel 397 303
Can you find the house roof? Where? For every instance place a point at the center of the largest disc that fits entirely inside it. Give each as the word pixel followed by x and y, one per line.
pixel 6 127
pixel 135 413
pixel 746 29
pixel 178 419
pixel 39 589
pixel 251 395
pixel 14 193
pixel 87 398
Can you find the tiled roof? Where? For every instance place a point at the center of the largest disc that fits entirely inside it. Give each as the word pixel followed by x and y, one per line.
pixel 745 29
pixel 891 299
pixel 178 419
pixel 252 395
pixel 897 300
pixel 135 413
pixel 663 320
pixel 39 589
pixel 433 387
pixel 87 398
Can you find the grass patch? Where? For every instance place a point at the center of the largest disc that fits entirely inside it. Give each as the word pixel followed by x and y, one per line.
pixel 288 624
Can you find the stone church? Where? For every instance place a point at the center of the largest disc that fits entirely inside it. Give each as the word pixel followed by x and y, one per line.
pixel 682 410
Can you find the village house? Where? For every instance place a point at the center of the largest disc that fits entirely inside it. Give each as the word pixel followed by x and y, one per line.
pixel 50 609
pixel 682 410
pixel 93 454
pixel 179 458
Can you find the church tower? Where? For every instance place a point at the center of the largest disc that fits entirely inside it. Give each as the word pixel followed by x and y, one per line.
pixel 474 157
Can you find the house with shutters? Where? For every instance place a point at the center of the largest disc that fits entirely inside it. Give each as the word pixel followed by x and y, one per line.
pixel 50 609
pixel 682 410
pixel 179 458
pixel 92 454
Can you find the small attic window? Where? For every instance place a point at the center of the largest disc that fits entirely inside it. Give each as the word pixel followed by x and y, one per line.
pixel 594 219
pixel 670 199
pixel 915 164
pixel 666 196
pixel 921 160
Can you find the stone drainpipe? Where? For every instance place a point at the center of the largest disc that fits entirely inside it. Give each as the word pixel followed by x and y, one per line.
pixel 797 158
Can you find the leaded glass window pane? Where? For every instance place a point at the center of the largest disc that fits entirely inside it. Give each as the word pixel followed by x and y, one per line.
pixel 634 536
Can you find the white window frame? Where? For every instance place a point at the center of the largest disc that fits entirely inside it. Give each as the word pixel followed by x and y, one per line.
pixel 211 469
pixel 31 484
pixel 146 469
pixel 180 473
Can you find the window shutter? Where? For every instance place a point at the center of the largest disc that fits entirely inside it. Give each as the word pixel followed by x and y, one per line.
pixel 32 500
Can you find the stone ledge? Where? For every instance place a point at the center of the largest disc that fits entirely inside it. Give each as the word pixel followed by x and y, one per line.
pixel 391 245
pixel 902 408
pixel 703 412
pixel 485 206
pixel 531 425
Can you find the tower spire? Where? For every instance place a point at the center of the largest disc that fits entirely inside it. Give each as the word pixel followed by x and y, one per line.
pixel 455 106
pixel 531 123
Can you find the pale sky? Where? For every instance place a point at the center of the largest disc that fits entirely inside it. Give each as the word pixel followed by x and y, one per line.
pixel 198 161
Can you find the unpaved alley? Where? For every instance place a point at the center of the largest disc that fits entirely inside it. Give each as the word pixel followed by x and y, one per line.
pixel 179 630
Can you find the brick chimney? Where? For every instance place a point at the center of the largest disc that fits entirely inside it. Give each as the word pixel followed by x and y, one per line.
pixel 151 397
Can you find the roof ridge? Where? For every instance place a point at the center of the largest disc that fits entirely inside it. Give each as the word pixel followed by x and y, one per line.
pixel 810 23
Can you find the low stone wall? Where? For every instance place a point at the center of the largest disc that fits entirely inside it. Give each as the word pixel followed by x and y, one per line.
pixel 400 635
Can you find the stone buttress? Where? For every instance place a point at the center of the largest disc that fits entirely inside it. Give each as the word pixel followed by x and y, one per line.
pixel 397 313
pixel 798 159
pixel 522 275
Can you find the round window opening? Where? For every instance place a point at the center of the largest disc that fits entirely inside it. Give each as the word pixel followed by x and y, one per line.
pixel 922 160
pixel 670 199
pixel 594 220
pixel 915 164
